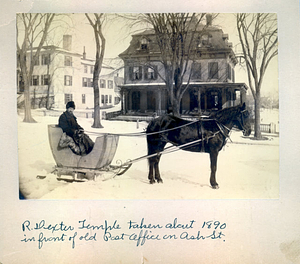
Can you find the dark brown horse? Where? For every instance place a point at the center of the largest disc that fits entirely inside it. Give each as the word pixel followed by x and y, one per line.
pixel 205 135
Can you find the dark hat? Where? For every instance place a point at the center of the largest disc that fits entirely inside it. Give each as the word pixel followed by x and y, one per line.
pixel 70 104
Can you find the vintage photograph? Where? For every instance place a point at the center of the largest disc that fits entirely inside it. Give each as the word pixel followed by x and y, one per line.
pixel 147 106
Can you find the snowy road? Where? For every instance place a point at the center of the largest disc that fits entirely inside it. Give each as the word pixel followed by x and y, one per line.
pixel 247 169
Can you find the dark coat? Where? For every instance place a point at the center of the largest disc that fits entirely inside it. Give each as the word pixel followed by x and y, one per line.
pixel 68 123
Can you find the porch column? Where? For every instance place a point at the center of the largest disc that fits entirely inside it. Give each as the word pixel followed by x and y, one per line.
pixel 199 101
pixel 125 99
pixel 158 103
pixel 205 100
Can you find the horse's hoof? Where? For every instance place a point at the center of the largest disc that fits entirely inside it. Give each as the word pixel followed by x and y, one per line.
pixel 215 186
pixel 160 181
pixel 152 181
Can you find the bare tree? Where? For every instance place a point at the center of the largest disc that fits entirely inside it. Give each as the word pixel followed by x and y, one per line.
pixel 97 22
pixel 176 35
pixel 258 38
pixel 35 28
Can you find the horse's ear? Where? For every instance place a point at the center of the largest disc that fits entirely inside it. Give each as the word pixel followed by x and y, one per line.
pixel 243 106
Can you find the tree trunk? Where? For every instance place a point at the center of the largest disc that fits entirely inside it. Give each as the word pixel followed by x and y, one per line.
pixel 176 107
pixel 257 132
pixel 27 103
pixel 97 123
pixel 48 89
pixel 48 97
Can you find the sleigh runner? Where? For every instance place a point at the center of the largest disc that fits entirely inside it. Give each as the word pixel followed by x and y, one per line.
pixel 72 167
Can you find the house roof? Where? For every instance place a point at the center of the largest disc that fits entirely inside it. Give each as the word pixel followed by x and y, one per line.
pixel 218 41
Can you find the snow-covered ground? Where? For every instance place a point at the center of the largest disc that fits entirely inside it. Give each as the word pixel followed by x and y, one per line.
pixel 246 168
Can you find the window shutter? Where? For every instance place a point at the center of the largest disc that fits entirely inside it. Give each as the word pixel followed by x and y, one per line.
pixel 196 70
pixel 155 72
pixel 130 73
pixel 140 72
pixel 213 70
pixel 228 72
pixel 146 72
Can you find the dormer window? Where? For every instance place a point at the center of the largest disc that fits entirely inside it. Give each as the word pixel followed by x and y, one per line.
pixel 144 44
pixel 204 40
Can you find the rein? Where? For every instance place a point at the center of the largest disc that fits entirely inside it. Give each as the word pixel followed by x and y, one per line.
pixel 143 133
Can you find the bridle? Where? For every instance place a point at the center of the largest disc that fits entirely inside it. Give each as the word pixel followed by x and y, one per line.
pixel 244 114
pixel 241 120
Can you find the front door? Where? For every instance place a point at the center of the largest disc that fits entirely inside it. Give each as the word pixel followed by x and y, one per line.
pixel 151 101
pixel 136 99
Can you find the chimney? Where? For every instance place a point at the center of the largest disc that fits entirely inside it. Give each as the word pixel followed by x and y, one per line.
pixel 67 42
pixel 84 54
pixel 208 19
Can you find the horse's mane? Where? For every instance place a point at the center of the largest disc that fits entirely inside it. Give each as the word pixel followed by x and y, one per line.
pixel 226 114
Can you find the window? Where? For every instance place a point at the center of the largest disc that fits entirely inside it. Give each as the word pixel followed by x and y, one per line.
pixel 135 72
pixel 110 84
pixel 213 70
pixel 213 100
pixel 68 61
pixel 35 80
pixel 228 72
pixel 36 61
pixel 85 69
pixel 110 99
pixel 106 99
pixel 45 59
pixel 150 73
pixel 84 82
pixel 144 44
pixel 102 99
pixel 196 71
pixel 102 83
pixel 92 70
pixel 90 82
pixel 68 80
pixel 68 98
pixel 238 95
pixel 83 98
pixel 233 76
pixel 45 79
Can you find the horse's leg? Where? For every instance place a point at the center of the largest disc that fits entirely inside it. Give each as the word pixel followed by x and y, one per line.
pixel 151 166
pixel 213 167
pixel 156 168
pixel 154 147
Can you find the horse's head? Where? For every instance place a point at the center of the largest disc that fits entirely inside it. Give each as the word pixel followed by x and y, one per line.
pixel 243 120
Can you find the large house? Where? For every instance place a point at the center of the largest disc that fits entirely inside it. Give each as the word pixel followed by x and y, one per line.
pixel 210 77
pixel 69 76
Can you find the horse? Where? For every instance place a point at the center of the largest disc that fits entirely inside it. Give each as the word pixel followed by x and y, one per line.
pixel 204 135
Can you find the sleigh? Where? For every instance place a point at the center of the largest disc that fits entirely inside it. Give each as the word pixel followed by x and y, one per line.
pixel 72 167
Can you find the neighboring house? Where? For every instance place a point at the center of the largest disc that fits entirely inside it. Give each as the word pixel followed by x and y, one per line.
pixel 211 86
pixel 69 76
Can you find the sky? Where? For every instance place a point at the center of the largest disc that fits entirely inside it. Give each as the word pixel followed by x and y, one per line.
pixel 118 36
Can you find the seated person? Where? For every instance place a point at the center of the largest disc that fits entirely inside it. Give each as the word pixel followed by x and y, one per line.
pixel 73 136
